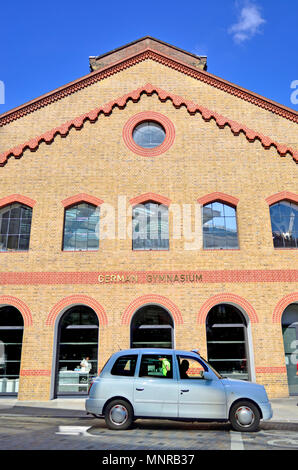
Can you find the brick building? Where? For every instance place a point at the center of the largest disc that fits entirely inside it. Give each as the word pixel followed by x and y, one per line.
pixel 148 203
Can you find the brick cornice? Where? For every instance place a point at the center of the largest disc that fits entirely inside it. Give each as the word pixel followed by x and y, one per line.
pixel 150 197
pixel 161 58
pixel 282 305
pixel 228 298
pixel 20 305
pixel 192 108
pixel 151 299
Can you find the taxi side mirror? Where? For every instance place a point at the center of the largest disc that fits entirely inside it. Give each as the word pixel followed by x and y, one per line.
pixel 208 375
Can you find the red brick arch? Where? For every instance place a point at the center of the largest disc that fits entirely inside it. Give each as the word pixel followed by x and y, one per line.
pixel 233 299
pixel 77 198
pixel 282 305
pixel 217 196
pixel 77 299
pixel 20 305
pixel 27 201
pixel 284 195
pixel 150 197
pixel 151 299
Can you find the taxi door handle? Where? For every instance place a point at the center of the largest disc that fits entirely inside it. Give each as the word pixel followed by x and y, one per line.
pixel 139 389
pixel 183 391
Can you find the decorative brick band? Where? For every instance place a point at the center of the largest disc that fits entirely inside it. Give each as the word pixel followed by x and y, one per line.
pixel 228 299
pixel 35 372
pixel 165 122
pixel 192 108
pixel 282 305
pixel 78 299
pixel 147 277
pixel 284 195
pixel 20 305
pixel 150 197
pixel 159 57
pixel 151 299
pixel 27 201
pixel 78 198
pixel 271 370
pixel 225 198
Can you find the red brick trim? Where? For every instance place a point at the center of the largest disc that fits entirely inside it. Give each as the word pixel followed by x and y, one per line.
pixel 283 195
pixel 225 198
pixel 148 277
pixel 228 299
pixel 20 305
pixel 271 370
pixel 282 305
pixel 161 58
pixel 27 201
pixel 150 197
pixel 151 299
pixel 148 116
pixel 78 299
pixel 35 372
pixel 135 95
pixel 70 201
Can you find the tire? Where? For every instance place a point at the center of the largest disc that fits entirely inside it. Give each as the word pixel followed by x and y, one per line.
pixel 244 416
pixel 118 415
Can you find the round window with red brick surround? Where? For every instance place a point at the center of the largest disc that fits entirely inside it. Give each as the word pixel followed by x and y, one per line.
pixel 149 133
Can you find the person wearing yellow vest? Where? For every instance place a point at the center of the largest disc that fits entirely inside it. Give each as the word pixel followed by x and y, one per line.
pixel 166 366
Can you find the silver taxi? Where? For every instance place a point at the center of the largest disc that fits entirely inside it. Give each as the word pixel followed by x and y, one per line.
pixel 173 384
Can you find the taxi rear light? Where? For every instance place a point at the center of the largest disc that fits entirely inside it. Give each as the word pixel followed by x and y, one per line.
pixel 91 383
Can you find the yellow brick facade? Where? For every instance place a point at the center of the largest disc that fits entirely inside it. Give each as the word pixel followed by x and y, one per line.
pixel 94 160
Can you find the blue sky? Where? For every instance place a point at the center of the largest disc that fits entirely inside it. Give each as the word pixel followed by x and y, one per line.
pixel 47 44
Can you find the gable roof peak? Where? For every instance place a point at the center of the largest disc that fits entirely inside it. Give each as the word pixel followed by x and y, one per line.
pixel 140 45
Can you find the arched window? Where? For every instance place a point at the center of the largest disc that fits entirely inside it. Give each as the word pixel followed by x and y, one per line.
pixel 227 342
pixel 77 342
pixel 219 226
pixel 15 227
pixel 284 223
pixel 152 327
pixel 81 227
pixel 290 337
pixel 11 338
pixel 150 228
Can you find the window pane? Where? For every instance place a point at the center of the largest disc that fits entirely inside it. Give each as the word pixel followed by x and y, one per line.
pixel 15 220
pixel 125 366
pixel 156 366
pixel 149 134
pixel 81 228
pixel 284 220
pixel 219 226
pixel 150 227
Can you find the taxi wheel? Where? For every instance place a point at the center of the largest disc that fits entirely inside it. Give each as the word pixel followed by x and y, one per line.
pixel 118 415
pixel 244 416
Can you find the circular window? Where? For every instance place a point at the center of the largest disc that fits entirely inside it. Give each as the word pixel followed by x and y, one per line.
pixel 148 133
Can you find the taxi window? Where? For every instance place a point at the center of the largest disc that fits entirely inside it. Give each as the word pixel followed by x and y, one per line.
pixel 125 366
pixel 156 365
pixel 190 368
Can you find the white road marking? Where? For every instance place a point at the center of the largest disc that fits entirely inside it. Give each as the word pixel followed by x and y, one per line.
pixel 236 441
pixel 73 430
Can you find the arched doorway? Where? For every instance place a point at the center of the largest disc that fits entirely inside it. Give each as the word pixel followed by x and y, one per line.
pixel 290 337
pixel 227 341
pixel 152 327
pixel 77 351
pixel 11 339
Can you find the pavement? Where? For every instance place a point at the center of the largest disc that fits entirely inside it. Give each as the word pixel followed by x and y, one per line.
pixel 285 410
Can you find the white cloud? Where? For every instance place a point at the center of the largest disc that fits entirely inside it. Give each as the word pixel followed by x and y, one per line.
pixel 249 23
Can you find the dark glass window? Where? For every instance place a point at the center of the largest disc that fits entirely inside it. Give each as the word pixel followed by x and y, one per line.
pixel 11 338
pixel 219 226
pixel 284 222
pixel 152 327
pixel 290 337
pixel 125 366
pixel 227 341
pixel 77 350
pixel 150 228
pixel 81 228
pixel 156 366
pixel 15 226
pixel 148 134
